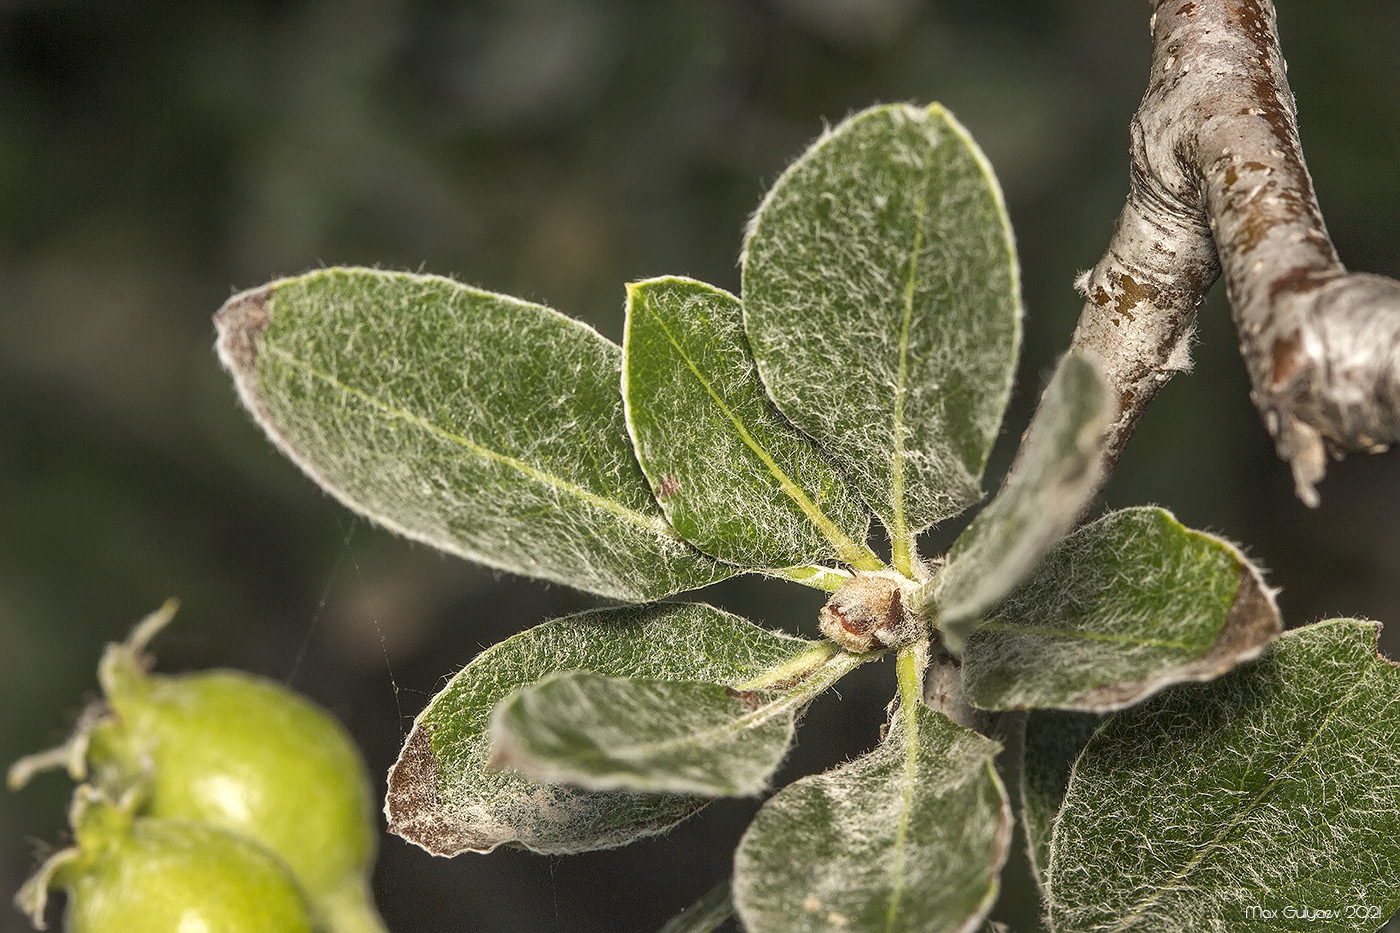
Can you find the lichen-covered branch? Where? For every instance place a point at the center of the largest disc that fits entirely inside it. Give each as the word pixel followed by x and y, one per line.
pixel 1219 184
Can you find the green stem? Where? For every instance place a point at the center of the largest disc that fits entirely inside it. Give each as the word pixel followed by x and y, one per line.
pixel 909 669
pixel 902 554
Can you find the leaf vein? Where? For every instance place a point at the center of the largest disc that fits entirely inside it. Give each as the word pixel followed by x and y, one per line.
pixel 649 523
pixel 1054 632
pixel 899 533
pixel 850 552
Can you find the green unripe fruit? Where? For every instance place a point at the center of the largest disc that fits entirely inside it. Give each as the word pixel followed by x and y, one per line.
pixel 165 876
pixel 236 753
pixel 180 876
pixel 250 756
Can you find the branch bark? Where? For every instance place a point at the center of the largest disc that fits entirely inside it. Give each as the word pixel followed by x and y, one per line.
pixel 1219 181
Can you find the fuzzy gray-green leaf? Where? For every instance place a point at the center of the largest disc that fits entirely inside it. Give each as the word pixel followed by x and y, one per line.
pixel 1053 740
pixel 646 735
pixel 1055 475
pixel 910 837
pixel 480 424
pixel 882 302
pixel 444 797
pixel 1119 610
pixel 733 476
pixel 1272 789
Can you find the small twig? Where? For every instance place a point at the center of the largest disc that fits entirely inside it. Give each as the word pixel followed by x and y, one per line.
pixel 1217 165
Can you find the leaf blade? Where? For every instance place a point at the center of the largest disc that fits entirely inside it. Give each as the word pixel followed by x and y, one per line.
pixel 1053 741
pixel 1056 474
pixel 732 475
pixel 1121 609
pixel 444 798
pixel 482 425
pixel 888 241
pixel 1279 782
pixel 656 736
pixel 822 853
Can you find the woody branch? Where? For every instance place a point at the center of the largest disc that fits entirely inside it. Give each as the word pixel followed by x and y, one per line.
pixel 1219 184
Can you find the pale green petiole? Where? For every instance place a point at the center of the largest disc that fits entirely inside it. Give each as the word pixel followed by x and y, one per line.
pixel 812 671
pixel 816 576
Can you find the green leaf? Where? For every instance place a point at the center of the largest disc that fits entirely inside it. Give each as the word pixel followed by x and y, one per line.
pixel 882 302
pixel 1053 740
pixel 444 797
pixel 910 837
pixel 706 914
pixel 733 476
pixel 1273 789
pixel 1119 610
pixel 1056 474
pixel 482 425
pixel 683 737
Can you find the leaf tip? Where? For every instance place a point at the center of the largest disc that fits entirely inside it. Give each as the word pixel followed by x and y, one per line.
pixel 1253 620
pixel 239 324
pixel 412 804
pixel 1251 624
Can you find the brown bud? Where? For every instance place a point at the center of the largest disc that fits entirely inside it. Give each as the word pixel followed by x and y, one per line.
pixel 868 613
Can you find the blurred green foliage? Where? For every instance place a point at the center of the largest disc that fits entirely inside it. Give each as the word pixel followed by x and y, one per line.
pixel 157 156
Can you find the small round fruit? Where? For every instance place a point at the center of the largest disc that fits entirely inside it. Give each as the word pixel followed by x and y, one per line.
pixel 168 876
pixel 250 756
pixel 238 753
pixel 181 876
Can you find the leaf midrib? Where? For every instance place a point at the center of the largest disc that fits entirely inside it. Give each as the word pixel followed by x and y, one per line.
pixel 1081 635
pixel 653 524
pixel 835 667
pixel 848 550
pixel 899 530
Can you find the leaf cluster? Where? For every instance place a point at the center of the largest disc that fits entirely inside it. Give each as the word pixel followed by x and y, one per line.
pixel 860 377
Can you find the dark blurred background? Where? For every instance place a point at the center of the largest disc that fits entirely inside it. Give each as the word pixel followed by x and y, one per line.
pixel 155 157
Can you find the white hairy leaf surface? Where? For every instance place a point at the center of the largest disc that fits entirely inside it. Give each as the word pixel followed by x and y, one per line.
pixel 1121 609
pixel 444 796
pixel 1271 789
pixel 910 837
pixel 647 735
pixel 1055 476
pixel 733 476
pixel 882 302
pixel 483 425
pixel 1053 740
